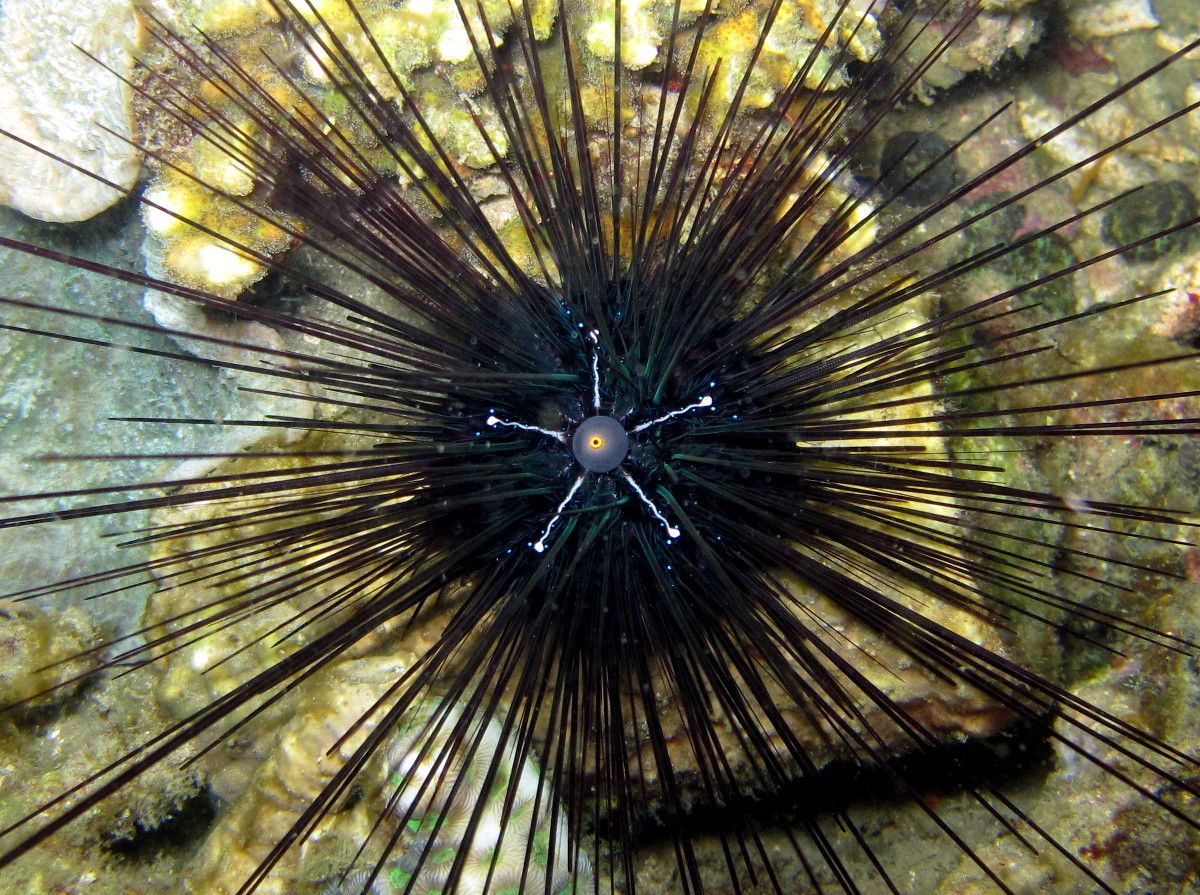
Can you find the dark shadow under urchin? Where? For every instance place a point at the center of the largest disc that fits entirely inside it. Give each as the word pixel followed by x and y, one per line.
pixel 818 544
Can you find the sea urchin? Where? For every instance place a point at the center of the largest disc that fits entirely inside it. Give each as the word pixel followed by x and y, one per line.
pixel 664 460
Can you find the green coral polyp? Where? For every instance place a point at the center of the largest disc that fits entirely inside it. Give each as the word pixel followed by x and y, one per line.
pixel 423 824
pixel 398 877
pixel 541 848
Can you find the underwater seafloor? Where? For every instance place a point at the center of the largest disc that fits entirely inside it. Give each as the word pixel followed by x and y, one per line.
pixel 60 398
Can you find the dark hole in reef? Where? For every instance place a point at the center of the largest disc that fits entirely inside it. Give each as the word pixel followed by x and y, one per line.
pixel 41 716
pixel 1019 754
pixel 353 797
pixel 177 832
pixel 267 291
pixel 274 292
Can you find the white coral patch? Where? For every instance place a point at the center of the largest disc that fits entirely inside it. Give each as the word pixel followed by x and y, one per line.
pixel 163 209
pixel 222 265
pixel 53 95
pixel 455 45
pixel 640 39
pixel 1113 17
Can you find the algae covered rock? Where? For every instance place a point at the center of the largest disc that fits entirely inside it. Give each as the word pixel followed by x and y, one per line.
pixel 1157 206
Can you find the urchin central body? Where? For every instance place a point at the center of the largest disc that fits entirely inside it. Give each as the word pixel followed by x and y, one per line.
pixel 599 445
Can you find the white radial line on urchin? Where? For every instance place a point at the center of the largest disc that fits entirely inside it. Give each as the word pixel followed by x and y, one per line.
pixel 494 421
pixel 672 532
pixel 705 401
pixel 540 544
pixel 594 335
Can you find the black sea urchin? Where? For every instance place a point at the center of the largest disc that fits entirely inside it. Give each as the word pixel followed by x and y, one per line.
pixel 654 486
